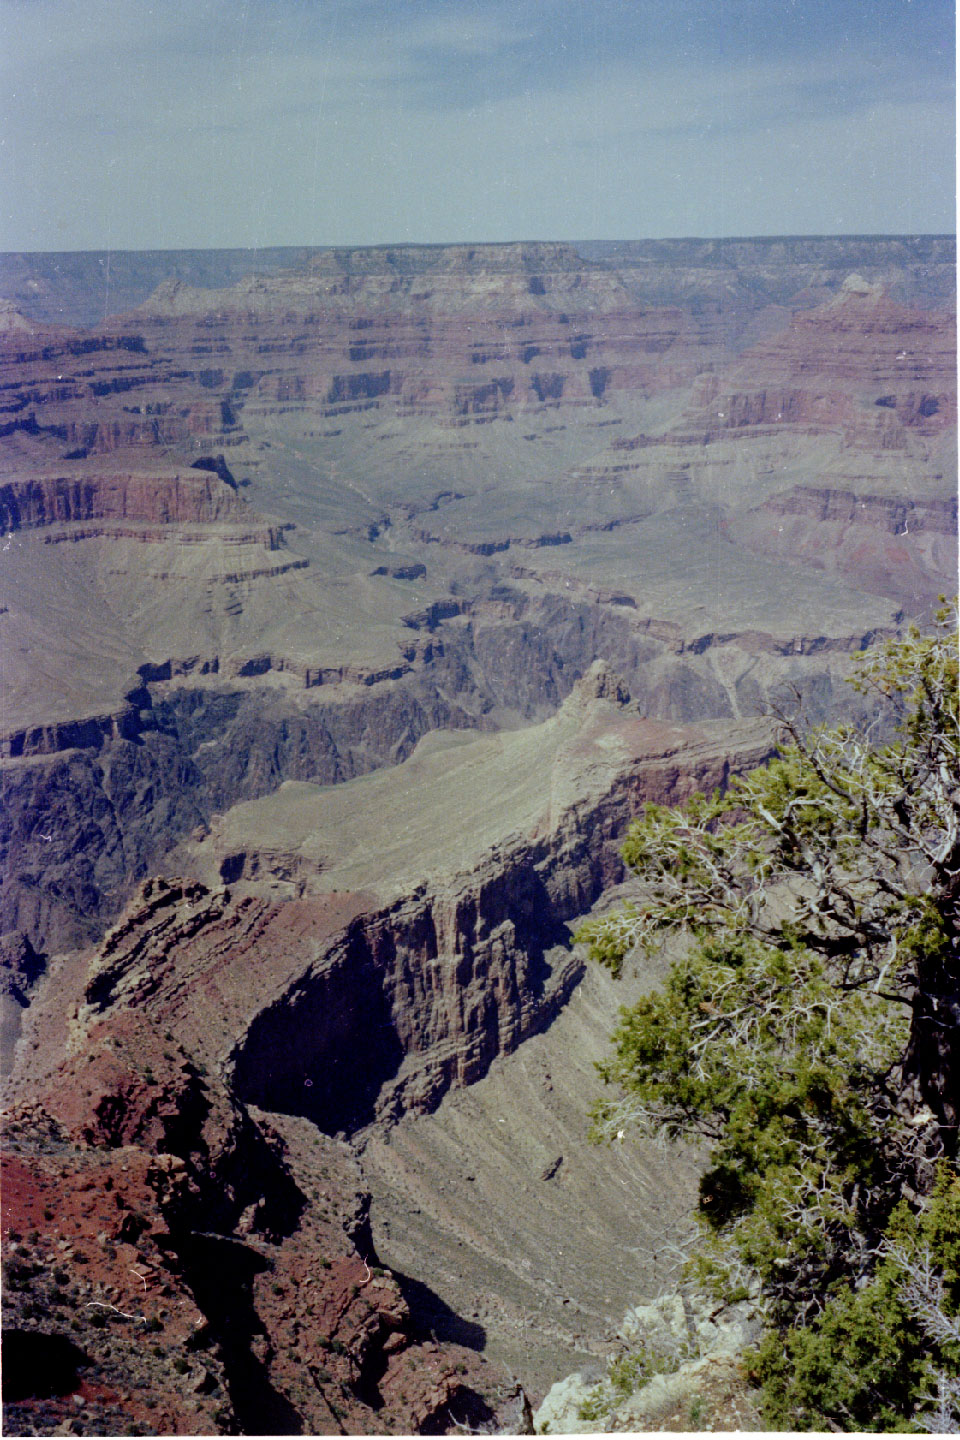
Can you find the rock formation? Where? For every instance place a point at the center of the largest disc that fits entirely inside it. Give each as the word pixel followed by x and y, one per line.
pixel 213 1274
pixel 305 580
pixel 409 951
pixel 362 999
pixel 693 1349
pixel 888 544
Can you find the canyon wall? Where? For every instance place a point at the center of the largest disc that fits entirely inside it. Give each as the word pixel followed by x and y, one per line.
pixel 888 544
pixel 90 807
pixel 304 584
pixel 340 1008
pixel 79 288
pixel 456 513
pixel 215 1272
pixel 155 1055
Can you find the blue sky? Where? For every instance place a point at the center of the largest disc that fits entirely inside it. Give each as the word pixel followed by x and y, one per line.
pixel 161 123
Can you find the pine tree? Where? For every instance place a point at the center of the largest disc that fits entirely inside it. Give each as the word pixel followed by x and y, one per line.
pixel 810 1032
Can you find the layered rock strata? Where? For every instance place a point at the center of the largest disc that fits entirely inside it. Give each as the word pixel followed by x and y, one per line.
pixel 98 425
pixel 887 544
pixel 860 364
pixel 501 462
pixel 150 500
pixel 79 288
pixel 339 981
pixel 410 952
pixel 855 397
pixel 92 806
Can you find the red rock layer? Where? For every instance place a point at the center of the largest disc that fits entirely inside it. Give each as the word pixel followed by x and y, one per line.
pixel 861 363
pixel 476 332
pixel 175 1266
pixel 888 546
pixel 186 498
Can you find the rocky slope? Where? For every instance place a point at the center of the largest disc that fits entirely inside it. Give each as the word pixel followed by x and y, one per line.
pixel 177 1264
pixel 888 544
pixel 430 940
pixel 333 981
pixel 696 1378
pixel 301 580
pixel 92 804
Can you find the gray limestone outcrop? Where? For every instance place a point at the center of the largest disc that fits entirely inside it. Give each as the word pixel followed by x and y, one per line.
pixel 692 1344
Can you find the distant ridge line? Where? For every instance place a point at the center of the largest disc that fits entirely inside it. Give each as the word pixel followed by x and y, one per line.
pixel 81 287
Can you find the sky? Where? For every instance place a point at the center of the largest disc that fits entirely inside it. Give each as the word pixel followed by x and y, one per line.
pixel 155 124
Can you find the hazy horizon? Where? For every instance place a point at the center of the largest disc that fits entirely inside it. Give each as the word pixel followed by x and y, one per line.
pixel 515 240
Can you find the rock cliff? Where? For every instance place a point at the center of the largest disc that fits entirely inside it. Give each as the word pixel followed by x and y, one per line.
pixel 335 983
pixel 390 975
pixel 191 498
pixel 214 1275
pixel 861 363
pixel 692 1352
pixel 888 545
pixel 303 584
pixel 461 333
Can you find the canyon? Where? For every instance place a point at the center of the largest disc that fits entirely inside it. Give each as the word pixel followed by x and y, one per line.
pixel 350 610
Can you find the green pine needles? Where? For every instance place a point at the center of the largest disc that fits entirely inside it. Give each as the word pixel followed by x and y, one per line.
pixel 810 1032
